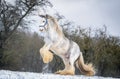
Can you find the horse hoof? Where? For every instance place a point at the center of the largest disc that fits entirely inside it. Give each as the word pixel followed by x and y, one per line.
pixel 58 72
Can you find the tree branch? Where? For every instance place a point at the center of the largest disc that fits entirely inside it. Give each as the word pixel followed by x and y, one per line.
pixel 16 26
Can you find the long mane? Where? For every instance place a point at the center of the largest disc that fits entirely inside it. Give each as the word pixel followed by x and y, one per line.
pixel 56 26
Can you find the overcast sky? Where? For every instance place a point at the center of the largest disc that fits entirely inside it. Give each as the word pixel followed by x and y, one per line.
pixel 91 13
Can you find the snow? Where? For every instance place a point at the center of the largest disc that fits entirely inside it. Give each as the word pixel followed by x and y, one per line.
pixel 6 74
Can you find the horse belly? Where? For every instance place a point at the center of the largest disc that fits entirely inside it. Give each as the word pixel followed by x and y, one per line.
pixel 59 50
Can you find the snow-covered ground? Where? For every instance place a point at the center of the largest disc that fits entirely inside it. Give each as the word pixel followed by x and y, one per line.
pixel 5 74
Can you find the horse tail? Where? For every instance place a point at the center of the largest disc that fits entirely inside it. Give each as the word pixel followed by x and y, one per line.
pixel 86 69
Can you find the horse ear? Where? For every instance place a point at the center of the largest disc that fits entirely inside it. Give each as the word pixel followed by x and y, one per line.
pixel 47 16
pixel 42 16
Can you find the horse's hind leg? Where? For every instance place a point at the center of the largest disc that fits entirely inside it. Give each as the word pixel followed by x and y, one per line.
pixel 69 63
pixel 69 69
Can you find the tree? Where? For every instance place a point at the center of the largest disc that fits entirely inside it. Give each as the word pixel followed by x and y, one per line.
pixel 12 16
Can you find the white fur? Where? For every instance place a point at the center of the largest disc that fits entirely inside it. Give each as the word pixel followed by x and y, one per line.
pixel 68 50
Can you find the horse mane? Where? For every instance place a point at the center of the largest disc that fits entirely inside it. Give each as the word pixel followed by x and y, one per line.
pixel 56 25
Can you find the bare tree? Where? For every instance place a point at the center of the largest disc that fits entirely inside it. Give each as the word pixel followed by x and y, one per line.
pixel 12 16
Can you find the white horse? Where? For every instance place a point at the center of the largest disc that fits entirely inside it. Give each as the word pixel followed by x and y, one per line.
pixel 68 50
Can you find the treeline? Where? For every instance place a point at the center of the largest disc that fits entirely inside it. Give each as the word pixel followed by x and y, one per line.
pixel 13 42
pixel 101 49
pixel 21 52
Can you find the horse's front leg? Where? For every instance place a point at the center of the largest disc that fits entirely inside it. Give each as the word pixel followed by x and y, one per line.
pixel 42 49
pixel 46 55
pixel 46 47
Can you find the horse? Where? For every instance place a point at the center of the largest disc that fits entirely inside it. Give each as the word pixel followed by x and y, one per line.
pixel 67 50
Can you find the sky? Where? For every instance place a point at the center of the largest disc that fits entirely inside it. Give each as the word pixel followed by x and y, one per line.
pixel 91 13
pixel 88 13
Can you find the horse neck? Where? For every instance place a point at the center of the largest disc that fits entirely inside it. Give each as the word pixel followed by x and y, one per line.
pixel 57 29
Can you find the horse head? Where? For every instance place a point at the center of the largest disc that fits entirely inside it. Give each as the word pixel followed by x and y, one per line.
pixel 49 22
pixel 43 23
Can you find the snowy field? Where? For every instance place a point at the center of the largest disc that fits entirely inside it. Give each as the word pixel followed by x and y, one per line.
pixel 5 74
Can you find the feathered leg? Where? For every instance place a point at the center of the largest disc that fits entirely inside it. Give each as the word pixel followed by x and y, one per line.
pixel 47 56
pixel 68 70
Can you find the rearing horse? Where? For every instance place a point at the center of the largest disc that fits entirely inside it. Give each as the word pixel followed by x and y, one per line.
pixel 69 51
